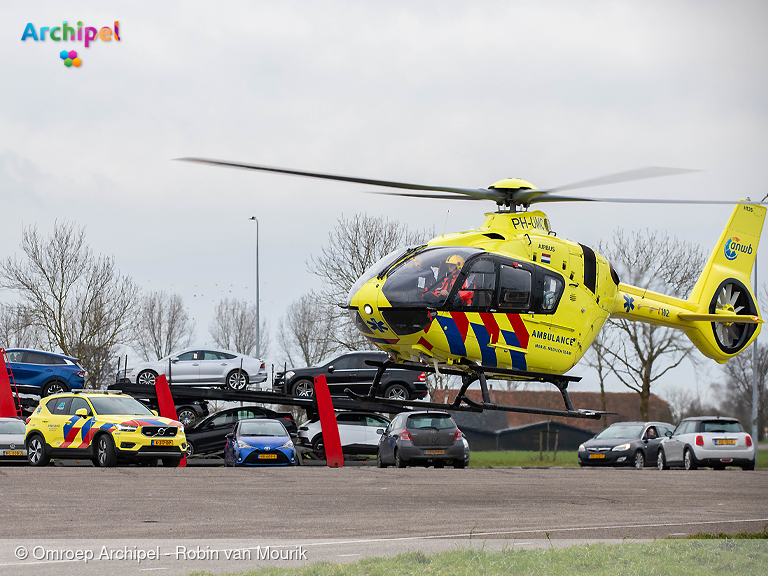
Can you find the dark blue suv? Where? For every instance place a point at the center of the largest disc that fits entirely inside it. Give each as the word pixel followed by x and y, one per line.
pixel 49 373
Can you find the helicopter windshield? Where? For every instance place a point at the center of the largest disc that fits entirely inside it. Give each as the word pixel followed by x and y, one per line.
pixel 426 278
pixel 378 268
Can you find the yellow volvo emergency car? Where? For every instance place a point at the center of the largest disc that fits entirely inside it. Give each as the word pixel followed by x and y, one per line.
pixel 105 428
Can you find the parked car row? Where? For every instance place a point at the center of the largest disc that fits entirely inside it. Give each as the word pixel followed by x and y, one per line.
pixel 702 441
pixel 424 438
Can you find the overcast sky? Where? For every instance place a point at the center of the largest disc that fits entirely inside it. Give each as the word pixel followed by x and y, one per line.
pixel 435 92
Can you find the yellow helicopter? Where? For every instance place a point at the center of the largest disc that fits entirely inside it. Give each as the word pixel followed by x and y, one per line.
pixel 512 300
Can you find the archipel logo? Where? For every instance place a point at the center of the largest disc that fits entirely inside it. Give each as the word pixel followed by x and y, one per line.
pixel 732 248
pixel 66 33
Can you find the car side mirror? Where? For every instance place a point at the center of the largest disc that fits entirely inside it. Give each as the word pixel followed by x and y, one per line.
pixel 668 434
pixel 230 435
pixel 379 430
pixel 645 439
pixel 155 412
pixel 82 412
pixel 174 360
pixel 330 368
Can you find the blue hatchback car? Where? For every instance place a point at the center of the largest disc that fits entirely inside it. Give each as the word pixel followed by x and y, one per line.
pixel 259 442
pixel 44 372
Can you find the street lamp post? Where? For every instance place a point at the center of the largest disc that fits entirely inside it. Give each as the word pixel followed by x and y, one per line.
pixel 258 316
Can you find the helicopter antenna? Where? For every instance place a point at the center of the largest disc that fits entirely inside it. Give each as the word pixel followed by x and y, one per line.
pixel 446 221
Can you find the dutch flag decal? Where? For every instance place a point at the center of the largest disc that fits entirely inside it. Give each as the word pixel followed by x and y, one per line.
pixel 545 258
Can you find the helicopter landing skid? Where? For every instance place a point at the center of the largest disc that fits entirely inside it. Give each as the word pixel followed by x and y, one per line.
pixel 468 376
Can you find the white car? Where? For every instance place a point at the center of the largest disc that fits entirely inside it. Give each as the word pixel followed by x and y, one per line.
pixel 707 441
pixel 198 367
pixel 12 447
pixel 359 433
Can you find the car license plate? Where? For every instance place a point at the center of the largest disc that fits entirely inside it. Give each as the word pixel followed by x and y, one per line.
pixel 596 456
pixel 13 453
pixel 434 452
pixel 725 442
pixel 267 456
pixel 162 442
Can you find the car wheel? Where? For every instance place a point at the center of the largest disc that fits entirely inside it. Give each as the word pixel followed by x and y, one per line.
pixel 187 416
pixel 54 387
pixel 146 378
pixel 399 462
pixel 319 447
pixel 396 392
pixel 661 461
pixel 190 449
pixel 237 380
pixel 304 389
pixel 688 460
pixel 171 462
pixel 36 451
pixel 105 451
pixel 379 462
pixel 639 460
pixel 749 466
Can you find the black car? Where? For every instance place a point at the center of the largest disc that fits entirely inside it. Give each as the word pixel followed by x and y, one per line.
pixel 422 439
pixel 625 444
pixel 209 435
pixel 351 371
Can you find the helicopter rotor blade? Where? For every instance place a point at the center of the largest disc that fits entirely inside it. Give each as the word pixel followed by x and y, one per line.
pixel 625 176
pixel 436 196
pixel 480 193
pixel 558 198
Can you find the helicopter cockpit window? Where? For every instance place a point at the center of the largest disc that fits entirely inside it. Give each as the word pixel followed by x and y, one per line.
pixel 515 292
pixel 426 278
pixel 377 268
pixel 478 287
pixel 553 287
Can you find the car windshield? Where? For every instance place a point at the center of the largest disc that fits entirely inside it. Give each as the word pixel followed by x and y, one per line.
pixel 262 429
pixel 12 427
pixel 722 427
pixel 423 421
pixel 426 278
pixel 118 406
pixel 619 431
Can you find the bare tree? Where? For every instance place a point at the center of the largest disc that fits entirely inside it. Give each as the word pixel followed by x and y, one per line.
pixel 640 354
pixel 736 391
pixel 684 402
pixel 234 328
pixel 163 325
pixel 353 246
pixel 305 334
pixel 78 301
pixel 16 328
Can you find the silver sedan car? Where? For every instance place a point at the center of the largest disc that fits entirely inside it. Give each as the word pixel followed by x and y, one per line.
pixel 198 367
pixel 12 448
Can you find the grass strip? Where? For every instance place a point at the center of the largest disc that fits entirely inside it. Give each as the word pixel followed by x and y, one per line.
pixel 659 558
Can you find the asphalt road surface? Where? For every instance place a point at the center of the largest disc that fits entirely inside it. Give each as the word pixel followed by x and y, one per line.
pixel 344 514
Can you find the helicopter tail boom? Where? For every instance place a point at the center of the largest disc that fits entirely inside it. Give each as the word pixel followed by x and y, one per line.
pixel 720 316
